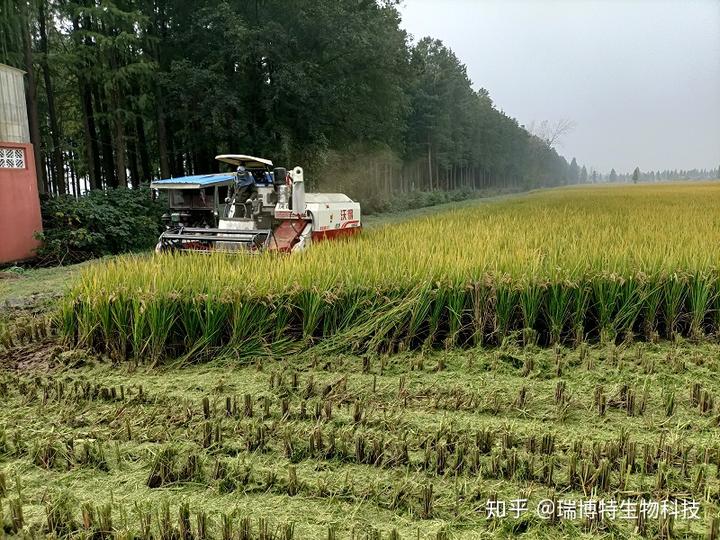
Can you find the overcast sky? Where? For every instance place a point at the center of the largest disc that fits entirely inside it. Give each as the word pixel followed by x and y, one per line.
pixel 640 78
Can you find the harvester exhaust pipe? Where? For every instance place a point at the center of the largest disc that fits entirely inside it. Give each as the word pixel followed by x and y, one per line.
pixel 279 176
pixel 298 191
pixel 281 188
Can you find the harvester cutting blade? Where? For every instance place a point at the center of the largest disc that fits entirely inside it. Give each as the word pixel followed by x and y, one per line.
pixel 201 239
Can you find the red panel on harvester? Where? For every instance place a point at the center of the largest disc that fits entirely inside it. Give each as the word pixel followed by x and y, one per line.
pixel 286 234
pixel 334 234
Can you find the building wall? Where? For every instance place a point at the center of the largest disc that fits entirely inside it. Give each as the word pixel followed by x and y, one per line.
pixel 13 108
pixel 19 202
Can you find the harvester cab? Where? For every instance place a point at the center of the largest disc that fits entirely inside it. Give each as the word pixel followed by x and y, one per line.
pixel 257 207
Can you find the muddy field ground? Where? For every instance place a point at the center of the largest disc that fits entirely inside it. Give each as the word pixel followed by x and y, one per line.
pixel 346 447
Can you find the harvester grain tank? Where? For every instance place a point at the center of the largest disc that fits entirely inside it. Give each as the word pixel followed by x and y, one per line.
pixel 257 207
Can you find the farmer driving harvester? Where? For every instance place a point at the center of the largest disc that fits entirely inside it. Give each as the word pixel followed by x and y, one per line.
pixel 245 190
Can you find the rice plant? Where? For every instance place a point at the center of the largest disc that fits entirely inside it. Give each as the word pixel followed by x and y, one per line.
pixel 550 267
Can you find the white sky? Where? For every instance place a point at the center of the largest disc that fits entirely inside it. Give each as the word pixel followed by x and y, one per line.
pixel 640 78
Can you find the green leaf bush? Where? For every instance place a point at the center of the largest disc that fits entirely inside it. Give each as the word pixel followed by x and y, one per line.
pixel 99 223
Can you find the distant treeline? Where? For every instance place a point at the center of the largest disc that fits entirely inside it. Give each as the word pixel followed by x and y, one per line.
pixel 659 176
pixel 123 91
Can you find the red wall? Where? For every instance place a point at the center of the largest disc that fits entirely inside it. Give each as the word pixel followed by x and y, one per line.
pixel 19 208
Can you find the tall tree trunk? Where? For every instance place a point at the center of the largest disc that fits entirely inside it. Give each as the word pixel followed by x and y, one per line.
pixel 76 177
pixel 49 184
pixel 430 168
pixel 92 152
pixel 31 99
pixel 119 138
pixel 162 137
pixel 177 158
pixel 142 149
pixel 159 28
pixel 133 165
pixel 58 164
pixel 105 140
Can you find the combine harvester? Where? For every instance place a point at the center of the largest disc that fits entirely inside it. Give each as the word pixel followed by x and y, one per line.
pixel 263 209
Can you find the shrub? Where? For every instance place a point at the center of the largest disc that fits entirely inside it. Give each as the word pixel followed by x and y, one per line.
pixel 101 222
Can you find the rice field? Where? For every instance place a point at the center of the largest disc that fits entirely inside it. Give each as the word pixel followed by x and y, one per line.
pixel 541 367
pixel 598 264
pixel 416 445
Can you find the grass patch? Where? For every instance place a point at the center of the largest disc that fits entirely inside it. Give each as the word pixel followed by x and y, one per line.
pixel 23 286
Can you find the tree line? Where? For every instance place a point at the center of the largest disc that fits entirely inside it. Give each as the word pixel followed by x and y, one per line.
pixel 124 91
pixel 666 175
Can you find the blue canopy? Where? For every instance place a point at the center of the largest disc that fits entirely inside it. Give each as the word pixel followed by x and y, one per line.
pixel 194 182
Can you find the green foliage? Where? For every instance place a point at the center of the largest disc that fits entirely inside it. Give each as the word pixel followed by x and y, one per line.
pixel 452 127
pixel 101 222
pixel 143 89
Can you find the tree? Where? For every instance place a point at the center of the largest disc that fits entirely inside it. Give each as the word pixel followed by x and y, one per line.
pixel 583 175
pixel 552 132
pixel 58 167
pixel 613 176
pixel 573 172
pixel 19 23
pixel 636 175
pixel 128 90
